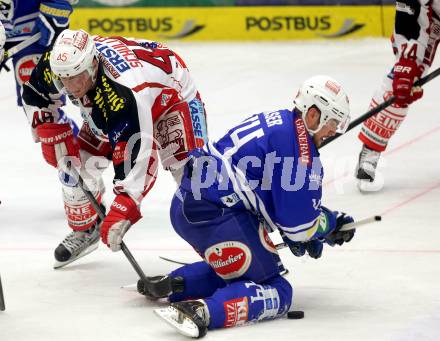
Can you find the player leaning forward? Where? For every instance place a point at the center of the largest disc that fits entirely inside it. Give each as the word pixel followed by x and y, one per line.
pixel 263 175
pixel 137 100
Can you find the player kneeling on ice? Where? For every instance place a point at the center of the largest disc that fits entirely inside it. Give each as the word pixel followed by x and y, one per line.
pixel 138 102
pixel 263 175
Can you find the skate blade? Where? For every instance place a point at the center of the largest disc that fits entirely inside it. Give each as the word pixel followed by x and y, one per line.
pixel 366 186
pixel 184 326
pixel 91 248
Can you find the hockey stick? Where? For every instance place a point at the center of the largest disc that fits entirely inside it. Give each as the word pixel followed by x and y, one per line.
pixel 17 48
pixel 2 298
pixel 346 227
pixel 356 224
pixel 22 45
pixel 380 107
pixel 99 210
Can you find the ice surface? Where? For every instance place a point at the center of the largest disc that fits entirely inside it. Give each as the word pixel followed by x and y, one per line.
pixel 381 286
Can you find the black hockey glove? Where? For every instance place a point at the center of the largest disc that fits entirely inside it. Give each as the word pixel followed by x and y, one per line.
pixel 340 237
pixel 313 247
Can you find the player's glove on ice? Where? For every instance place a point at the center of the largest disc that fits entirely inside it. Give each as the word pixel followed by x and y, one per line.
pixel 406 72
pixel 123 213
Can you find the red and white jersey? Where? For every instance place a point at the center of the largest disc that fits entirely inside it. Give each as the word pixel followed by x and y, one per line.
pixel 417 30
pixel 157 77
pixel 144 102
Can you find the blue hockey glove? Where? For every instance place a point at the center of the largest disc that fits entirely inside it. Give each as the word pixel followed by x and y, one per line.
pixel 337 236
pixel 297 248
pixel 313 247
pixel 53 18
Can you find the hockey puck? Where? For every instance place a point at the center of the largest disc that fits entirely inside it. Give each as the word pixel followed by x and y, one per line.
pixel 295 315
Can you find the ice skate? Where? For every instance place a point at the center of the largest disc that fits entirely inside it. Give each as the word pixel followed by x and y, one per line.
pixel 76 245
pixel 366 169
pixel 189 318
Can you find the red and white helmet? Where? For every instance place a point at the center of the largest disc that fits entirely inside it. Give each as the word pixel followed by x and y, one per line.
pixel 328 96
pixel 6 10
pixel 73 52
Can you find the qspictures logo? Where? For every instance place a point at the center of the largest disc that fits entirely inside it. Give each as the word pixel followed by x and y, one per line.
pixel 321 25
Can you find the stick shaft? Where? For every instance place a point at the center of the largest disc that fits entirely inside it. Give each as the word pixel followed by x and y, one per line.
pixel 101 215
pixel 356 224
pixel 22 45
pixel 346 227
pixel 381 106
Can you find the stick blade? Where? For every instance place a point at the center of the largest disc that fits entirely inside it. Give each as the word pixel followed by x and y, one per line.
pixel 2 297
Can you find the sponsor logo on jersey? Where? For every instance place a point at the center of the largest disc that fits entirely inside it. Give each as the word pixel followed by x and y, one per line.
pixel 153 45
pixel 230 200
pixel 198 121
pixel 315 178
pixel 117 54
pixel 318 24
pixel 122 49
pixel 113 57
pixel 24 67
pixel 303 142
pixel 229 259
pixel 120 153
pixel 323 224
pixel 106 94
pixel 109 66
pixel 265 240
pixel 236 312
pixel 116 134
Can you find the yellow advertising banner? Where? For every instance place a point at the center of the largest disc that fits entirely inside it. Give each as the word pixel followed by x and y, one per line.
pixel 238 23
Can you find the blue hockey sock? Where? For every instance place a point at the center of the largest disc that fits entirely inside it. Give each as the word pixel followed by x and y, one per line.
pixel 200 281
pixel 244 301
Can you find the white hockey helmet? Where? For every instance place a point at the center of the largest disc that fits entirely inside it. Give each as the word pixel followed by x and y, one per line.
pixel 73 52
pixel 328 96
pixel 6 10
pixel 2 36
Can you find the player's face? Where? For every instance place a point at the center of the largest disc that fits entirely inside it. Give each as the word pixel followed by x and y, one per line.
pixel 78 85
pixel 312 118
pixel 327 130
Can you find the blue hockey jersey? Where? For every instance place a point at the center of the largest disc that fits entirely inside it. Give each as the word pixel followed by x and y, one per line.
pixel 19 16
pixel 270 165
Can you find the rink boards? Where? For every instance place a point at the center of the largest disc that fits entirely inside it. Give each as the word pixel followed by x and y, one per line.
pixel 238 23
